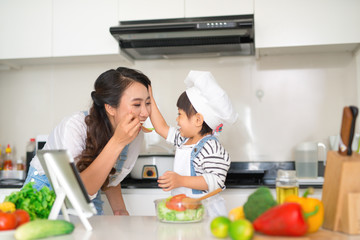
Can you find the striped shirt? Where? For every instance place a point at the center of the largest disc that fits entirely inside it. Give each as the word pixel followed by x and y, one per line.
pixel 212 162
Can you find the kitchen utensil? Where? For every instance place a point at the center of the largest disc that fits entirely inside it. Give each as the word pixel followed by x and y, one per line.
pixel 306 158
pixel 334 142
pixel 193 203
pixel 354 111
pixel 345 132
pixel 147 130
pixel 341 193
pixel 152 166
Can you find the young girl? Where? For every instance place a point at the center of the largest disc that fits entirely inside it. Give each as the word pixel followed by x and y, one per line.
pixel 201 162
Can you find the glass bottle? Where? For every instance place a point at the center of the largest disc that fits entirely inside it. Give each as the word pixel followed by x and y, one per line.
pixel 8 164
pixel 20 165
pixel 286 184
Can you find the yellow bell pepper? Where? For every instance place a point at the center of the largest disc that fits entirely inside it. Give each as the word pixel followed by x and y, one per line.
pixel 8 207
pixel 313 209
pixel 236 213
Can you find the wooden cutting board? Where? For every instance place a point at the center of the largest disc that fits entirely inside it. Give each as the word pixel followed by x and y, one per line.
pixel 322 234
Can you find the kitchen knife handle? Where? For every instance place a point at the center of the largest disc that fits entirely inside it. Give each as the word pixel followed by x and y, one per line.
pixel 345 131
pixel 354 111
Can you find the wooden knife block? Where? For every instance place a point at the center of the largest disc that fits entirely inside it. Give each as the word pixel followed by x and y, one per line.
pixel 341 193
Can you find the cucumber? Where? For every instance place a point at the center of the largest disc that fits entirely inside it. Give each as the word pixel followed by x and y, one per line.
pixel 42 228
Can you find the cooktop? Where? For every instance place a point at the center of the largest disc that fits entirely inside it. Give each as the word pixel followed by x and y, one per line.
pixel 243 175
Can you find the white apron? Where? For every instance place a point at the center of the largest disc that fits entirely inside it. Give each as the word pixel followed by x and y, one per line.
pixel 215 206
pixel 182 167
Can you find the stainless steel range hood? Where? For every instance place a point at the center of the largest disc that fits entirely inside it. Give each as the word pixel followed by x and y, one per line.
pixel 186 37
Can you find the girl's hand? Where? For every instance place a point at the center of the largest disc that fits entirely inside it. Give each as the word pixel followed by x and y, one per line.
pixel 150 92
pixel 127 129
pixel 169 181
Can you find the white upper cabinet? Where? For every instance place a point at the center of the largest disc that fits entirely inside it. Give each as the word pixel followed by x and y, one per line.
pixel 81 27
pixel 203 8
pixel 293 23
pixel 164 9
pixel 25 29
pixel 154 9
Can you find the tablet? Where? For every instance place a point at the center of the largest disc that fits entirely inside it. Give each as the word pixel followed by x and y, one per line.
pixel 71 195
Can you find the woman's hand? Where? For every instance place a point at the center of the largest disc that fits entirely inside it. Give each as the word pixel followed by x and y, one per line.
pixel 127 129
pixel 116 200
pixel 170 180
pixel 121 212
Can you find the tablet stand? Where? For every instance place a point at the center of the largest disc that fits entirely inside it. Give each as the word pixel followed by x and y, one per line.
pixel 62 192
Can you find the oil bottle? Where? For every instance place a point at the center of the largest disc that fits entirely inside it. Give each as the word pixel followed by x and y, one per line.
pixel 286 184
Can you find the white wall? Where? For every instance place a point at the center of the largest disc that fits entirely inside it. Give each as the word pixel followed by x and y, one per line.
pixel 303 98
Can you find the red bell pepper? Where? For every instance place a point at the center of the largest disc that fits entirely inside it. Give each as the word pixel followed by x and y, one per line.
pixel 282 220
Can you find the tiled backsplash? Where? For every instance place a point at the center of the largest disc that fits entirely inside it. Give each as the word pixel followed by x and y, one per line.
pixel 281 100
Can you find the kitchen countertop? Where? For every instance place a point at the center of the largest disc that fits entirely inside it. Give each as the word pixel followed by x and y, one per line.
pixel 140 228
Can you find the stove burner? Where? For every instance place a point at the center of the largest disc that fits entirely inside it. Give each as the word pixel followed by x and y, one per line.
pixel 245 178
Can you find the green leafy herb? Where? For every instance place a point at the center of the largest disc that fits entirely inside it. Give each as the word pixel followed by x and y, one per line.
pixel 37 203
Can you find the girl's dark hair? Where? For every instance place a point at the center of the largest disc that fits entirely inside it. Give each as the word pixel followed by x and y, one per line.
pixel 184 104
pixel 109 88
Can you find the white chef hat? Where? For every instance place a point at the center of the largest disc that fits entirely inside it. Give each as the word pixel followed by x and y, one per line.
pixel 209 99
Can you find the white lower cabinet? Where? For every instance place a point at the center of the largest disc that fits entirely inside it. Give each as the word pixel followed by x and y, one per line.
pixel 140 202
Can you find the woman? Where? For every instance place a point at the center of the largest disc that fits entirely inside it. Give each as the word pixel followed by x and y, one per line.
pixel 105 143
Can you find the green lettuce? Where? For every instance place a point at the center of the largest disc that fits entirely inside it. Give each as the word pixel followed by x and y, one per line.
pixel 37 203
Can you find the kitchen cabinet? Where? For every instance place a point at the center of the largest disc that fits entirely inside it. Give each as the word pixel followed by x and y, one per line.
pixel 329 23
pixel 163 9
pixel 81 27
pixel 202 8
pixel 140 201
pixel 43 32
pixel 25 29
pixel 155 9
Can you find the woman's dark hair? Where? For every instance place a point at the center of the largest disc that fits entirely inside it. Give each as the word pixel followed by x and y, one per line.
pixel 184 104
pixel 109 88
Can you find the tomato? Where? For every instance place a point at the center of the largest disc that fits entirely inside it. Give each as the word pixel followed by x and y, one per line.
pixel 179 196
pixel 7 221
pixel 22 216
pixel 174 203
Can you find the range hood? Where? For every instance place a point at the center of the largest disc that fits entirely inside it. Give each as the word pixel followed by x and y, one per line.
pixel 186 37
